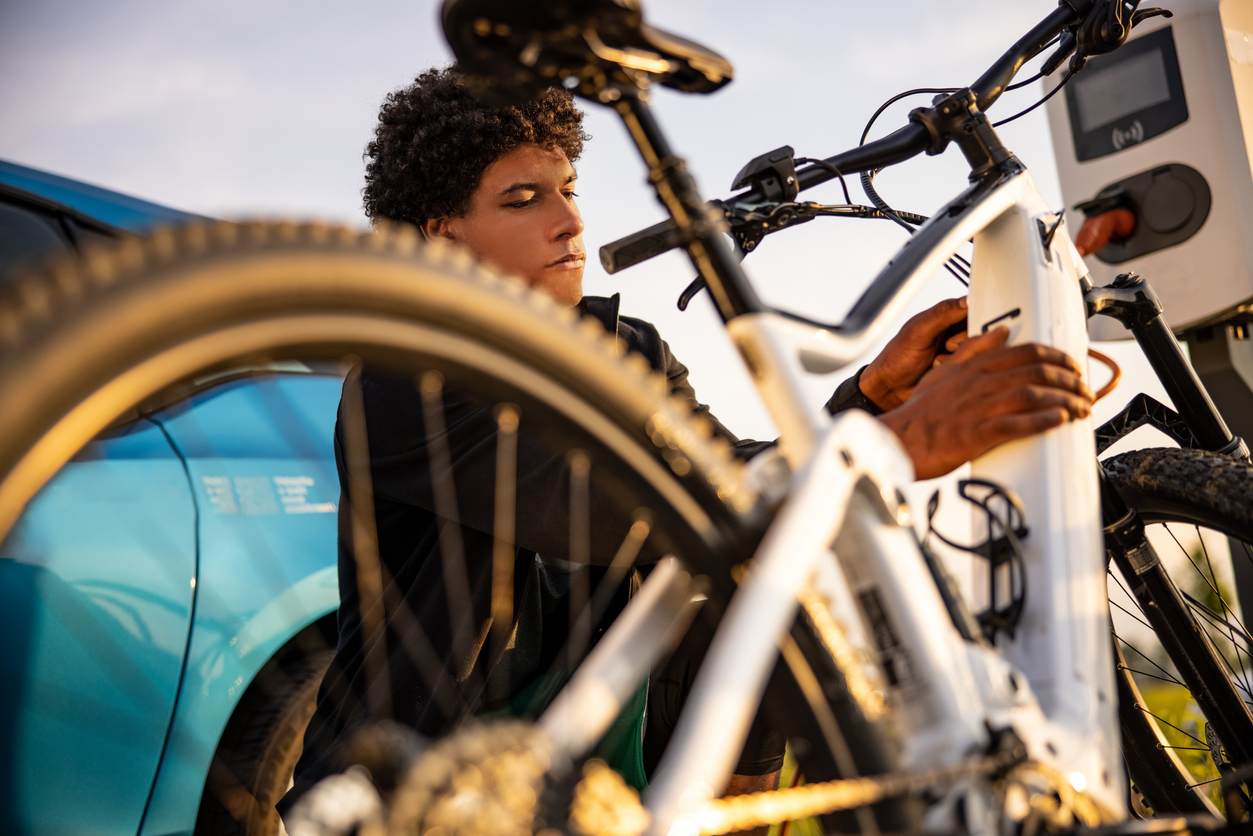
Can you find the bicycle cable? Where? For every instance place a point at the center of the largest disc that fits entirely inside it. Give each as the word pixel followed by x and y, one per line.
pixel 1021 84
pixel 958 266
pixel 848 199
pixel 1067 77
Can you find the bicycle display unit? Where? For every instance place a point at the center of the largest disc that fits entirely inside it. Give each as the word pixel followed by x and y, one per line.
pixel 906 710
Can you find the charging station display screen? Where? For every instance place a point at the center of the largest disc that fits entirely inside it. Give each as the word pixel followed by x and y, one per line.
pixel 1123 89
pixel 1124 98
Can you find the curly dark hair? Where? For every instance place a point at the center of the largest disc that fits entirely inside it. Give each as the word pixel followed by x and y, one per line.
pixel 434 141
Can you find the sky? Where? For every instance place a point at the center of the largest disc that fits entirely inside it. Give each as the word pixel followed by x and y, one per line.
pixel 263 108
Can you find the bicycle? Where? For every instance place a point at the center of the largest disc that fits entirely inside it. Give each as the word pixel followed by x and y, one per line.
pixel 894 679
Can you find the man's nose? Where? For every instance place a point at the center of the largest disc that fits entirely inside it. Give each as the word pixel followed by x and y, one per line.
pixel 569 224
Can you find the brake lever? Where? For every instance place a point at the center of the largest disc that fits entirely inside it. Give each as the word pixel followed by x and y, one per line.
pixel 1144 14
pixel 749 226
pixel 1106 28
pixel 689 292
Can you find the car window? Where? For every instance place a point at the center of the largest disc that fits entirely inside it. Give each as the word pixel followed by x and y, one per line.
pixel 26 237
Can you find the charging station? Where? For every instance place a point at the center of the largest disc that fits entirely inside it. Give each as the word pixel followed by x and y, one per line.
pixel 1164 127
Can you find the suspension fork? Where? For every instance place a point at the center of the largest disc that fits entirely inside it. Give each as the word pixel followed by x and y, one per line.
pixel 1131 301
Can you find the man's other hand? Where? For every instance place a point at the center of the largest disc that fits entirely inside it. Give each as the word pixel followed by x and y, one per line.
pixel 984 396
pixel 890 378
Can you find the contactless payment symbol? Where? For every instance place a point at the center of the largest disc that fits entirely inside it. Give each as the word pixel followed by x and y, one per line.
pixel 1133 134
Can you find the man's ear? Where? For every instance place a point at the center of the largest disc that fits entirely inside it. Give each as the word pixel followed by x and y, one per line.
pixel 438 228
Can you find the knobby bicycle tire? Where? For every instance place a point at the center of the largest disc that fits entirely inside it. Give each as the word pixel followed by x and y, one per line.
pixel 85 341
pixel 1183 494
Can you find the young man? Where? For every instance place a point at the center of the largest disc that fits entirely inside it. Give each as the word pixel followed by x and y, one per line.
pixel 500 182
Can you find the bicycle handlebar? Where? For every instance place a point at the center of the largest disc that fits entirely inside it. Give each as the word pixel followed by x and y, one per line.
pixel 905 143
pixel 1000 75
pixel 897 147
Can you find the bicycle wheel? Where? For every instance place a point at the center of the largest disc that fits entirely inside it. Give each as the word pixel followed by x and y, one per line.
pixel 87 342
pixel 1198 511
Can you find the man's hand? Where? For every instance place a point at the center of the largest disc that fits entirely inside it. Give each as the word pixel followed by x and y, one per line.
pixel 890 378
pixel 985 396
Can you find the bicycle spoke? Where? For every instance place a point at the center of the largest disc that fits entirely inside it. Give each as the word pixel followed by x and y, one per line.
pixel 1203 609
pixel 1238 642
pixel 1173 726
pixel 1202 578
pixel 595 608
pixel 1130 613
pixel 1220 623
pixel 365 547
pixel 451 547
pixel 1145 657
pixel 1227 610
pixel 503 555
pixel 623 560
pixel 1211 584
pixel 579 557
pixel 417 646
pixel 1209 615
pixel 1150 675
pixel 1118 580
pixel 1209 564
pixel 1211 579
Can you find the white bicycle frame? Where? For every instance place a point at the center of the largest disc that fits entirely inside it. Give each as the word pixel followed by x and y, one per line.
pixel 843 537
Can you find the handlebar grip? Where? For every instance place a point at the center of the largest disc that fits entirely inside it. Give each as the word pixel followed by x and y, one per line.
pixel 640 246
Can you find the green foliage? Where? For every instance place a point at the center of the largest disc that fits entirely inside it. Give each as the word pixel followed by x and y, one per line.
pixel 1183 726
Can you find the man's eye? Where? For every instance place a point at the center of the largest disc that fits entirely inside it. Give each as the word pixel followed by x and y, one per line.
pixel 571 194
pixel 520 204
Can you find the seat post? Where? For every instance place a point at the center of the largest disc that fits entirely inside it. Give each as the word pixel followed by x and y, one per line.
pixel 702 226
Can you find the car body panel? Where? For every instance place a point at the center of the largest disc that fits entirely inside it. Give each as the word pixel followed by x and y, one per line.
pixel 95 602
pixel 259 455
pixel 113 208
pixel 120 673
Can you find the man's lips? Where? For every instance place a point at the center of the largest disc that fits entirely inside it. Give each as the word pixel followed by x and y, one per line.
pixel 570 260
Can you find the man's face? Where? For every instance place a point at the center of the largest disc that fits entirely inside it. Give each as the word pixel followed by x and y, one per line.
pixel 523 220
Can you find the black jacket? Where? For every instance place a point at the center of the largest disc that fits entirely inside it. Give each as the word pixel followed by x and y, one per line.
pixel 433 667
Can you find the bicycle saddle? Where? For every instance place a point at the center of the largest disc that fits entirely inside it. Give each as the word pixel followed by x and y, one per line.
pixel 511 50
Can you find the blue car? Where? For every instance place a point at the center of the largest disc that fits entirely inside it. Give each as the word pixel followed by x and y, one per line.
pixel 167 602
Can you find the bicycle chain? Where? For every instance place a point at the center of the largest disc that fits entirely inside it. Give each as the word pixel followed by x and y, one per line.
pixel 744 812
pixel 1049 797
